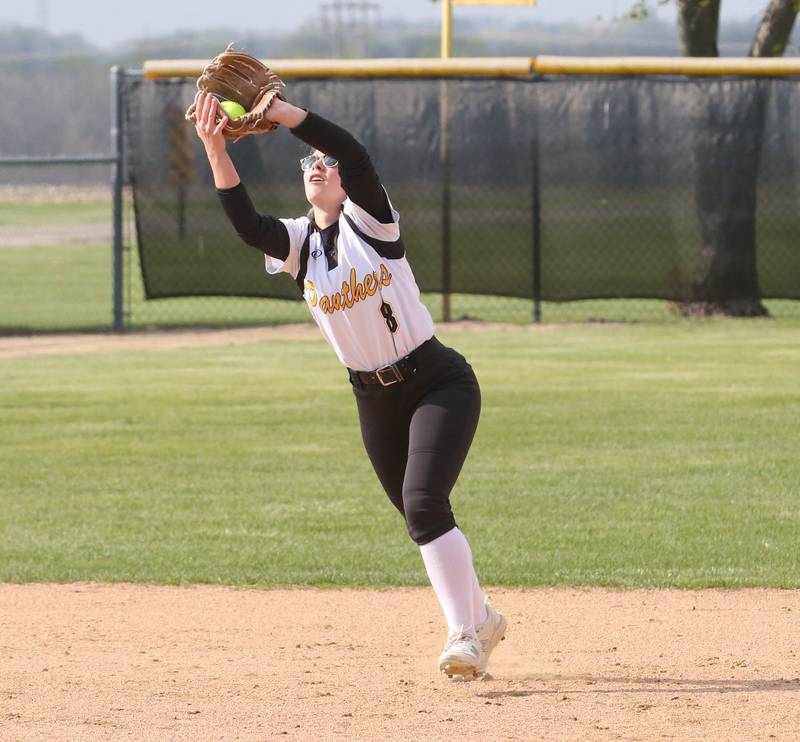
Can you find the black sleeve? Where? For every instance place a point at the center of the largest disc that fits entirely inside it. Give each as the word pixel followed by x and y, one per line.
pixel 359 179
pixel 266 233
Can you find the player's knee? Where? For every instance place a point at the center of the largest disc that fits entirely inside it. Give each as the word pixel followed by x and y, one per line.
pixel 427 519
pixel 422 535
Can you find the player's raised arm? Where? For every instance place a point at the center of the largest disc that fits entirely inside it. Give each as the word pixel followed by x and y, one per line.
pixel 210 132
pixel 359 179
pixel 266 233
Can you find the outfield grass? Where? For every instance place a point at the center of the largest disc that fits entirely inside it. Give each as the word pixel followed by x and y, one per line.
pixel 607 455
pixel 56 288
pixel 32 214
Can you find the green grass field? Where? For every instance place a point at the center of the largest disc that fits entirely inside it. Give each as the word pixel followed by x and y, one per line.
pixel 29 214
pixel 633 455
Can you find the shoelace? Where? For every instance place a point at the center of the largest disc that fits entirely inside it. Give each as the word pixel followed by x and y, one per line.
pixel 458 636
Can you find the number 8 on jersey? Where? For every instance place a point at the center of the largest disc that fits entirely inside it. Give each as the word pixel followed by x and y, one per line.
pixel 388 315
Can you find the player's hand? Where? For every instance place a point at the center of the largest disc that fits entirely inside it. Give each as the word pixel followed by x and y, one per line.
pixel 207 128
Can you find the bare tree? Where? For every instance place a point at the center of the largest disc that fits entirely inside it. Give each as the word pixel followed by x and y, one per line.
pixel 725 279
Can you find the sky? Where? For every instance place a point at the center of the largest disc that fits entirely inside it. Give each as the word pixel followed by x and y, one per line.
pixel 105 23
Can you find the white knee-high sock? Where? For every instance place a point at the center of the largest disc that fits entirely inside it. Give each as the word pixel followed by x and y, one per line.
pixel 448 561
pixel 478 601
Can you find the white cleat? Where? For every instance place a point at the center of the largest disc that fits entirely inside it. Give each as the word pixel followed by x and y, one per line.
pixel 462 655
pixel 490 633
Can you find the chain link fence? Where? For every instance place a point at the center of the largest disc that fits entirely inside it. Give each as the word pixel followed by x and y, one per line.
pixel 630 199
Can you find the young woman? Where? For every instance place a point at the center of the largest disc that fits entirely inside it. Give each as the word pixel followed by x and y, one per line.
pixel 418 400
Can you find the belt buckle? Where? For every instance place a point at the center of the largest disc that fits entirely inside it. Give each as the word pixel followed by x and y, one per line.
pixel 397 375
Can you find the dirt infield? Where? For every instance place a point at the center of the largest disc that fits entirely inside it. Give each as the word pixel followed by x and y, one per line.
pixel 33 345
pixel 21 346
pixel 89 661
pixel 54 235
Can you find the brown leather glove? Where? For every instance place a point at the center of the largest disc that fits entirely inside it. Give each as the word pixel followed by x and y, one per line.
pixel 240 77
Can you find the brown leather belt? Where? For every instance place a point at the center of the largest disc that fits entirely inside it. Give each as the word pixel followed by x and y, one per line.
pixel 394 373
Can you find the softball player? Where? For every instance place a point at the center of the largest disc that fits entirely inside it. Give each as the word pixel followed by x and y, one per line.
pixel 418 401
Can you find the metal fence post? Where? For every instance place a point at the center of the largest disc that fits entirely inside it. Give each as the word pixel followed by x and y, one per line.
pixel 444 160
pixel 117 77
pixel 536 221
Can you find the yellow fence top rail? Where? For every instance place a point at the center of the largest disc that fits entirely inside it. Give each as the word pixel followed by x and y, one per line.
pixel 694 66
pixel 500 66
pixel 421 67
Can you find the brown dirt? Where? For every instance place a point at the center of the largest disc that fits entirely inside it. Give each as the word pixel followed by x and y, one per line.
pixel 102 662
pixel 71 193
pixel 64 235
pixel 34 345
pixel 54 235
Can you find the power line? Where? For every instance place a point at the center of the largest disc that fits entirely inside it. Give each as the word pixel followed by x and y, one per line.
pixel 350 22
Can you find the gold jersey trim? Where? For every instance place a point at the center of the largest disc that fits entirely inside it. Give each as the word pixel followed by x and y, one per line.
pixel 352 291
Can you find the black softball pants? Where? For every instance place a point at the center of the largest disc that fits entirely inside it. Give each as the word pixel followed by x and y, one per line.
pixel 417 434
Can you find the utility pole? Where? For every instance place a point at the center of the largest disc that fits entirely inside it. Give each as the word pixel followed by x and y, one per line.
pixel 349 23
pixel 446 52
pixel 43 14
pixel 43 23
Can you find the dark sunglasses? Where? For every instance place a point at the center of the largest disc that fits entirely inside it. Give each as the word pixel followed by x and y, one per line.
pixel 308 162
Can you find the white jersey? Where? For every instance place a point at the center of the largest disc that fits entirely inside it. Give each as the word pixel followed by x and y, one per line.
pixel 367 304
